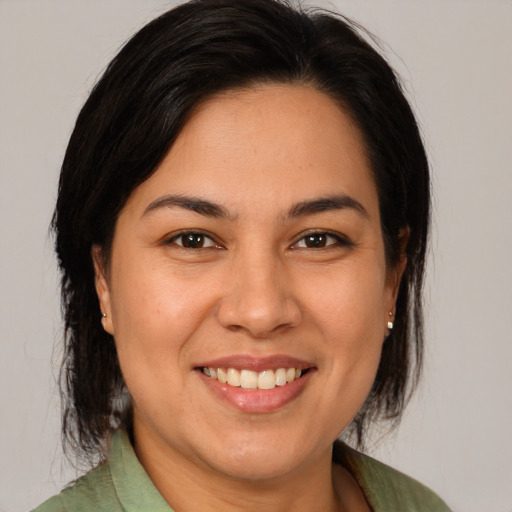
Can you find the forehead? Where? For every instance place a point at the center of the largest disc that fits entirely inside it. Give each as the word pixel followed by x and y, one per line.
pixel 272 145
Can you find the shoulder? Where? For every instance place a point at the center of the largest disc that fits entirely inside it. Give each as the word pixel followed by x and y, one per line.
pixel 93 491
pixel 385 488
pixel 119 484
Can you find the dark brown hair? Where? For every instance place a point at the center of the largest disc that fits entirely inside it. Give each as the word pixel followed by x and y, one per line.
pixel 130 121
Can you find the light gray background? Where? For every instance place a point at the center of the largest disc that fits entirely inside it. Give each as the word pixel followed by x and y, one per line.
pixel 456 60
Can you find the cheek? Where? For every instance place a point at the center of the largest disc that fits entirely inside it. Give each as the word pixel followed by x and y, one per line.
pixel 154 316
pixel 149 297
pixel 153 324
pixel 349 316
pixel 348 300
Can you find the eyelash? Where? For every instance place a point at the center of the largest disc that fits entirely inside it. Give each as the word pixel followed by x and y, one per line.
pixel 183 234
pixel 339 240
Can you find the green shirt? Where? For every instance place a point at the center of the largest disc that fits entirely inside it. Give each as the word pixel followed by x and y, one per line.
pixel 122 485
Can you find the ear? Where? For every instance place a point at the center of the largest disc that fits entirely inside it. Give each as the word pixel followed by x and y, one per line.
pixel 395 274
pixel 102 289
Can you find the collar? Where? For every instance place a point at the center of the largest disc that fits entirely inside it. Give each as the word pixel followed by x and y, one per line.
pixel 135 490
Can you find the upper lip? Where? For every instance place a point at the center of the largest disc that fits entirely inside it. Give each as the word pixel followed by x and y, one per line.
pixel 257 364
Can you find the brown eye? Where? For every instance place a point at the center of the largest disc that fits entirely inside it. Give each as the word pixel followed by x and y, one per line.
pixel 193 240
pixel 317 241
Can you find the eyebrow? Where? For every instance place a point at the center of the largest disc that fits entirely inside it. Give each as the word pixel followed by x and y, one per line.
pixel 194 204
pixel 301 209
pixel 325 204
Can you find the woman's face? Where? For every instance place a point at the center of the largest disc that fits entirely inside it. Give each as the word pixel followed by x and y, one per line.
pixel 255 248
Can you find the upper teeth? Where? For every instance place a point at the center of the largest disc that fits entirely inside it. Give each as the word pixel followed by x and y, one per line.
pixel 247 379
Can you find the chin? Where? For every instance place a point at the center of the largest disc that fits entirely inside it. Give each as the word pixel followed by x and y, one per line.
pixel 260 459
pixel 259 468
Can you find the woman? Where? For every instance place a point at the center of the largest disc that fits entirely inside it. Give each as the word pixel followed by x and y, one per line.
pixel 241 226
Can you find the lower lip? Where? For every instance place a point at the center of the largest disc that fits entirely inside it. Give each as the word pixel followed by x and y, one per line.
pixel 257 400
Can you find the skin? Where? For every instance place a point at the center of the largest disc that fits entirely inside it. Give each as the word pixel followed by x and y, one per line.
pixel 256 288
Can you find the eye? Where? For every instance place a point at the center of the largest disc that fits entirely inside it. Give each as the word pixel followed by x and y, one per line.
pixel 193 240
pixel 320 240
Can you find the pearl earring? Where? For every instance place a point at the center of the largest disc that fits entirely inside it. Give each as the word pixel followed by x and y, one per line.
pixel 390 322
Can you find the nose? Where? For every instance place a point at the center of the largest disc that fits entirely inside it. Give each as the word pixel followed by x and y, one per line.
pixel 259 299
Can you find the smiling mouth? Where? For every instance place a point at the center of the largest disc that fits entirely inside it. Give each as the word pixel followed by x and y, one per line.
pixel 249 379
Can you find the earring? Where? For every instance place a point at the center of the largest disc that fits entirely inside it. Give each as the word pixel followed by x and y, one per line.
pixel 390 322
pixel 103 315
